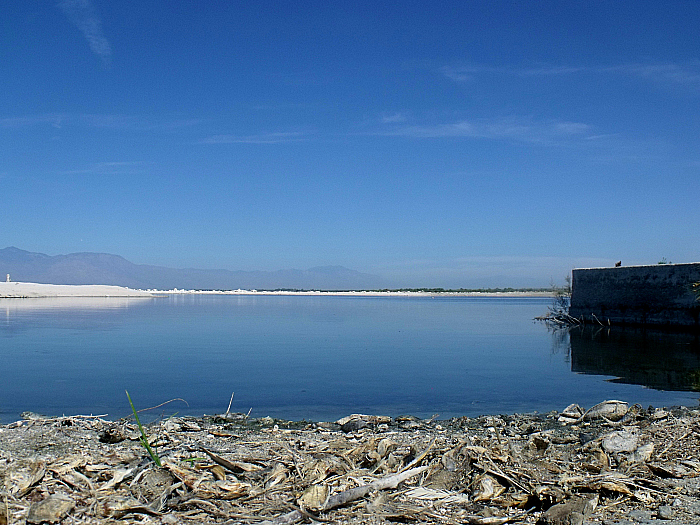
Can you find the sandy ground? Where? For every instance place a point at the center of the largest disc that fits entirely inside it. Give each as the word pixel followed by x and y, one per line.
pixel 13 289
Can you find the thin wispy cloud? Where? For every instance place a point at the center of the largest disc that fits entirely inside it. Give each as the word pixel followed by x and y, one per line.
pixel 391 118
pixel 54 120
pixel 110 168
pixel 82 14
pixel 61 120
pixel 570 128
pixel 687 74
pixel 264 138
pixel 466 73
pixel 99 120
pixel 519 129
pixel 684 74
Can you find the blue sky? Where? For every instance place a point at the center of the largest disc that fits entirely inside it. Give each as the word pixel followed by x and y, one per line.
pixel 434 143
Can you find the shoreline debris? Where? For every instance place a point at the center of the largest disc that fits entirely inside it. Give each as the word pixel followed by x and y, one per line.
pixel 610 463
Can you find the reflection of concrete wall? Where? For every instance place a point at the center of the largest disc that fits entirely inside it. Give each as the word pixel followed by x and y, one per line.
pixel 637 295
pixel 660 360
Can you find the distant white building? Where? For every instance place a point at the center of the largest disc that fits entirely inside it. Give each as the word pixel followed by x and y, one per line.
pixel 7 280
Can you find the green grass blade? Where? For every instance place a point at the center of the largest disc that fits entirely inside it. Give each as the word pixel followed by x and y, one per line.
pixel 144 437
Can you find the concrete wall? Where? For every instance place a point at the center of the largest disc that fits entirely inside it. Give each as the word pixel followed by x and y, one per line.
pixel 658 295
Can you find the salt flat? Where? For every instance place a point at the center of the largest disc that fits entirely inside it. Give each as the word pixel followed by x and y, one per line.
pixel 19 289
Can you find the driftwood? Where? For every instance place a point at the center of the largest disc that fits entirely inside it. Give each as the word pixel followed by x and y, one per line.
pixel 389 482
pixel 350 495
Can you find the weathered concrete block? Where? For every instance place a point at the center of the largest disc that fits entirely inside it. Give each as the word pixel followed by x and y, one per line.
pixel 658 295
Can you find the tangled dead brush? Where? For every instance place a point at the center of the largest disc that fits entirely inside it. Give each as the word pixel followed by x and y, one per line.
pixel 609 463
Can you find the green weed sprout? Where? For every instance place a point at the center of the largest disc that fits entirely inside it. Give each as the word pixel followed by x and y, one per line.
pixel 144 438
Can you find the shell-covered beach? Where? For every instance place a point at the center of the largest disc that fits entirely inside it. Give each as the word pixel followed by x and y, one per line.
pixel 612 463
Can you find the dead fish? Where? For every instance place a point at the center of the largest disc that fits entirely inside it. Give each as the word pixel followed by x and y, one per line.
pixel 385 447
pixel 370 420
pixel 642 454
pixel 278 475
pixel 118 475
pixel 670 471
pixel 487 488
pixel 24 482
pixel 50 510
pixel 205 488
pixel 442 495
pixel 118 506
pixel 613 410
pixel 570 414
pixel 221 489
pixel 491 520
pixel 218 472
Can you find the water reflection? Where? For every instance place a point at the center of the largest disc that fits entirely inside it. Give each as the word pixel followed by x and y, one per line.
pixel 10 305
pixel 21 314
pixel 658 360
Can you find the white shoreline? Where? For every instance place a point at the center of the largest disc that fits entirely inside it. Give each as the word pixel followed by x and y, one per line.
pixel 352 293
pixel 17 290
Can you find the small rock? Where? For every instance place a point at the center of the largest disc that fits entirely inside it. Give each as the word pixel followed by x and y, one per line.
pixel 324 425
pixel 620 441
pixel 665 512
pixel 540 441
pixel 354 425
pixel 640 515
pixel 572 512
pixel 314 497
pixel 659 414
pixel 112 435
pixel 586 437
pixel 31 416
pixel 51 510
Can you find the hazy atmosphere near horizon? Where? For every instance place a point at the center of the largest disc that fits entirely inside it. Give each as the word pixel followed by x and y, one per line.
pixel 443 144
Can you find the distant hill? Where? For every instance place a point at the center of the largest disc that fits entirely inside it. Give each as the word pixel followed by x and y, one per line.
pixel 104 268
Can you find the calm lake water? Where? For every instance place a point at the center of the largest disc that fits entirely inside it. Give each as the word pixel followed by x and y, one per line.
pixel 321 358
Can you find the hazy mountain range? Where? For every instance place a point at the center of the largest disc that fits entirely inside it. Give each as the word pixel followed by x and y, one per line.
pixel 105 268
